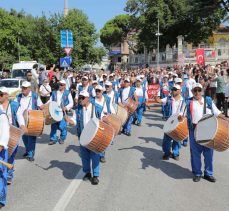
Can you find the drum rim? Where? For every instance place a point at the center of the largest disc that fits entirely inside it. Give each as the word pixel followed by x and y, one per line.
pixel 55 104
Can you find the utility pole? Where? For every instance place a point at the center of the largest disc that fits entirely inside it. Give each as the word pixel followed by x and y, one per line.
pixel 65 8
pixel 158 34
pixel 19 57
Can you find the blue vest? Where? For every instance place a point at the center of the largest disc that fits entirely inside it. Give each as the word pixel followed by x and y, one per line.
pixel 162 95
pixel 114 84
pixel 189 109
pixel 65 100
pixel 171 83
pixel 116 96
pixel 89 89
pixel 34 100
pixel 99 108
pixel 131 93
pixel 14 106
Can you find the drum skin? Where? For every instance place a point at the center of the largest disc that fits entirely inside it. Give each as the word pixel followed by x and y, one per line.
pixel 180 133
pixel 122 113
pixel 102 139
pixel 49 119
pixel 220 141
pixel 114 121
pixel 131 105
pixel 34 122
pixel 15 136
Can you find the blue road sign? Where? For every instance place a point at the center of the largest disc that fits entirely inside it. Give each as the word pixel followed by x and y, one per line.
pixel 66 38
pixel 66 61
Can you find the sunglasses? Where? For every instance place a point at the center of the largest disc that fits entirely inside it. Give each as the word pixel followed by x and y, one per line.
pixel 98 90
pixel 62 84
pixel 197 90
pixel 106 86
pixel 81 98
pixel 175 89
pixel 29 75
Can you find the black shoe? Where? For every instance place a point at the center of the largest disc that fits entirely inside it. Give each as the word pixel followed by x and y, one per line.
pixel 128 134
pixel 185 144
pixel 1 205
pixel 176 157
pixel 139 124
pixel 87 177
pixel 196 178
pixel 9 181
pixel 94 181
pixel 31 159
pixel 165 157
pixel 25 154
pixel 51 143
pixel 102 160
pixel 210 178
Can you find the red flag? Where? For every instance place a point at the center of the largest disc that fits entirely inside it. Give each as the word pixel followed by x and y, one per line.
pixel 213 54
pixel 200 56
pixel 152 91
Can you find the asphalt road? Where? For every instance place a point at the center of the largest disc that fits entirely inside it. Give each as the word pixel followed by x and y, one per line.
pixel 133 178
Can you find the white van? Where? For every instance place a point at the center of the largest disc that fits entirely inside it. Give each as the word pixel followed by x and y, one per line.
pixel 20 69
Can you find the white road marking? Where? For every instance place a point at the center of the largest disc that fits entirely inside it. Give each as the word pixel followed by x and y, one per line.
pixel 70 191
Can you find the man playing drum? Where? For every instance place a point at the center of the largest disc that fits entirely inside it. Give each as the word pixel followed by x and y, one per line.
pixel 174 104
pixel 124 94
pixel 195 111
pixel 142 96
pixel 84 112
pixel 4 139
pixel 28 101
pixel 15 116
pixel 102 107
pixel 64 99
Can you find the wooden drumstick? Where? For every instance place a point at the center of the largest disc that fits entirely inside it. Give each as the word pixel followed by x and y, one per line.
pixel 8 165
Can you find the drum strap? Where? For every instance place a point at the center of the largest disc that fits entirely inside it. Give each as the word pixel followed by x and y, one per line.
pixel 204 112
pixel 92 111
pixel 29 103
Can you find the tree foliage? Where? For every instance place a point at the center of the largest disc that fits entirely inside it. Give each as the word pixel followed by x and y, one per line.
pixel 194 19
pixel 39 37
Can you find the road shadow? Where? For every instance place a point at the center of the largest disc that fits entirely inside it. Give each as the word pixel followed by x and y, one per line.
pixel 20 153
pixel 155 125
pixel 44 139
pixel 147 140
pixel 153 158
pixel 72 130
pixel 73 148
pixel 68 169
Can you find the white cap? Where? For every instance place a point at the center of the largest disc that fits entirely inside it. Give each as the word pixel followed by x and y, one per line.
pixel 112 75
pixel 127 79
pixel 104 74
pixel 85 77
pixel 174 74
pixel 3 89
pixel 177 86
pixel 26 84
pixel 170 73
pixel 84 93
pixel 99 87
pixel 95 82
pixel 197 85
pixel 165 76
pixel 108 83
pixel 138 78
pixel 142 76
pixel 178 80
pixel 62 82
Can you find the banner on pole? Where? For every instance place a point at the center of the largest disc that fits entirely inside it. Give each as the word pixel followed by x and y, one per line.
pixel 152 92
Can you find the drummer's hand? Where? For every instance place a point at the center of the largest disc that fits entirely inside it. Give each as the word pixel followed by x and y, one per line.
pixel 64 109
pixel 180 118
pixel 42 107
pixel 24 129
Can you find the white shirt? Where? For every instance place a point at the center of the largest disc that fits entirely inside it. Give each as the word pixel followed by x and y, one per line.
pixel 177 107
pixel 125 95
pixel 198 109
pixel 111 95
pixel 59 100
pixel 26 102
pixel 139 92
pixel 5 131
pixel 77 91
pixel 20 118
pixel 45 90
pixel 104 105
pixel 189 84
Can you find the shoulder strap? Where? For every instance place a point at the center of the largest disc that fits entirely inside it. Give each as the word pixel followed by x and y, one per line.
pixel 204 112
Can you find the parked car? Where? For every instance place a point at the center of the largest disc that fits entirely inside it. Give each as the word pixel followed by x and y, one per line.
pixel 13 85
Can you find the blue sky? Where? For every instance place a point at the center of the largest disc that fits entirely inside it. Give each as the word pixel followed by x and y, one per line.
pixel 98 11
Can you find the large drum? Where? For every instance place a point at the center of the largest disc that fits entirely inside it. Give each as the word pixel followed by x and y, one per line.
pixel 15 136
pixel 131 105
pixel 34 121
pixel 97 135
pixel 213 132
pixel 122 113
pixel 177 130
pixel 53 113
pixel 114 121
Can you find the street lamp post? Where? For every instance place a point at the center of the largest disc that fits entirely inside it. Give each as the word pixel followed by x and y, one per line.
pixel 158 34
pixel 65 8
pixel 18 43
